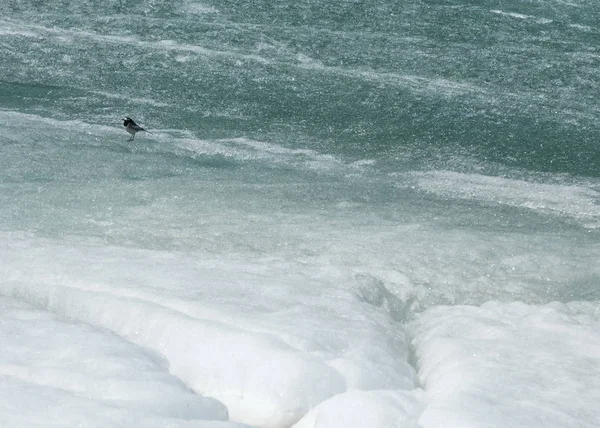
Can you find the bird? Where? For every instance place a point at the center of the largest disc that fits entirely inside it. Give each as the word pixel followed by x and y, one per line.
pixel 132 127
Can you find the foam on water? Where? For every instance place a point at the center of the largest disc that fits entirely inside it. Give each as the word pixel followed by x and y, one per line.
pixel 522 16
pixel 198 8
pixel 138 101
pixel 247 149
pixel 579 201
pixel 79 36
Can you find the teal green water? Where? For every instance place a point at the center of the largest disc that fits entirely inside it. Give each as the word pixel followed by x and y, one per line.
pixel 472 124
pixel 512 83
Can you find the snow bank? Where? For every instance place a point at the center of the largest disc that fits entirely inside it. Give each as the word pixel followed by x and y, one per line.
pixel 261 380
pixel 279 345
pixel 510 365
pixel 268 344
pixel 58 373
pixel 367 409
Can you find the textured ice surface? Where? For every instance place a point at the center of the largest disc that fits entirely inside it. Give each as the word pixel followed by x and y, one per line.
pixel 510 365
pixel 59 372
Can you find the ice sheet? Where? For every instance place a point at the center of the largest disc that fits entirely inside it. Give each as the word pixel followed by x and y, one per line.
pixel 269 345
pixel 62 373
pixel 373 409
pixel 511 365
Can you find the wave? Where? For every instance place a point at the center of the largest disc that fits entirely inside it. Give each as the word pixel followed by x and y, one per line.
pixel 578 201
pixel 522 16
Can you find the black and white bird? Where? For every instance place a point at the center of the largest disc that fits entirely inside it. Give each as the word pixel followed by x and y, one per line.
pixel 132 127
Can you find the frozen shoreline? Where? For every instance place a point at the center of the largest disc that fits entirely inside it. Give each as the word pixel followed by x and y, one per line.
pixel 326 360
pixel 269 349
pixel 510 364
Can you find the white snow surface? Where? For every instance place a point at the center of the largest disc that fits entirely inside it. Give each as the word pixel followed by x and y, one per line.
pixel 56 372
pixel 112 336
pixel 267 346
pixel 375 409
pixel 510 365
